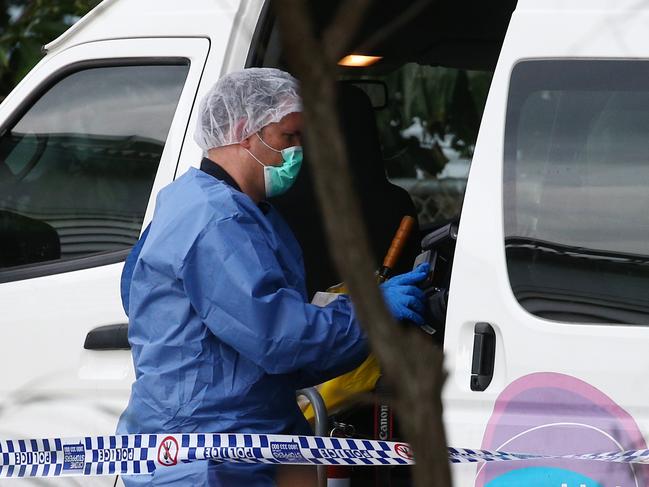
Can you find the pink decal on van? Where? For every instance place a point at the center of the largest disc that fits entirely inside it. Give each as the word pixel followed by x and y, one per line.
pixel 557 414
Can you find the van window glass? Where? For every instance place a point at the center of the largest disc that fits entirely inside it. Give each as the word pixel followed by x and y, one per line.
pixel 428 132
pixel 576 190
pixel 77 168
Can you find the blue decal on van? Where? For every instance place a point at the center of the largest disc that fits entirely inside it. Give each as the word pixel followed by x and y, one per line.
pixel 542 477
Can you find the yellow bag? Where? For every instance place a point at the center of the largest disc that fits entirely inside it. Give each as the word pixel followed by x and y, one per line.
pixel 341 391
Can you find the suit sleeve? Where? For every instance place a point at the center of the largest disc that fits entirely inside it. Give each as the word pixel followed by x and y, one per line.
pixel 235 283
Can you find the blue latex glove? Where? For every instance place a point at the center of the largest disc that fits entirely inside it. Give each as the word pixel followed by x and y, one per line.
pixel 402 296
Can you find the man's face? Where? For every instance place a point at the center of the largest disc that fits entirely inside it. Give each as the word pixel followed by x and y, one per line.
pixel 281 135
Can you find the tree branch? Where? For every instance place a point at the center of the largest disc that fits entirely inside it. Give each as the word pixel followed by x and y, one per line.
pixel 388 30
pixel 343 220
pixel 410 361
pixel 340 33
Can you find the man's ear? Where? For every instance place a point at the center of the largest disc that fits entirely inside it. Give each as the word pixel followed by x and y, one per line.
pixel 245 143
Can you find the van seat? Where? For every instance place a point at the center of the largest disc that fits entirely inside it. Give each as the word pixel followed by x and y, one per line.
pixel 383 203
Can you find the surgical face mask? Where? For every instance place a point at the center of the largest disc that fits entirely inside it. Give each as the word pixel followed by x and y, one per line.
pixel 278 179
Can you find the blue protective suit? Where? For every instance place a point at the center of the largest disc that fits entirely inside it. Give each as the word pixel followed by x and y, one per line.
pixel 221 330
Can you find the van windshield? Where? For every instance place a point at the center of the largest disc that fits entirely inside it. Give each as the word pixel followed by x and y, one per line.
pixel 428 130
pixel 408 156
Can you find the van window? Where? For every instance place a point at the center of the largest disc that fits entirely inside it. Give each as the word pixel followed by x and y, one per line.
pixel 576 190
pixel 77 168
pixel 428 133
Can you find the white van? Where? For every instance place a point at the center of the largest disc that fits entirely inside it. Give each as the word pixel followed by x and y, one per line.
pixel 545 326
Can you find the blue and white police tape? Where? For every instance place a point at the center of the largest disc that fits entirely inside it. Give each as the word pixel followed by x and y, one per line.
pixel 143 454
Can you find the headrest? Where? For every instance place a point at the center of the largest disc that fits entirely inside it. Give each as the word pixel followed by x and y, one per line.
pixel 358 123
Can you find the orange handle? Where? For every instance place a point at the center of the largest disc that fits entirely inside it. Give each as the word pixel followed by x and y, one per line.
pixel 399 241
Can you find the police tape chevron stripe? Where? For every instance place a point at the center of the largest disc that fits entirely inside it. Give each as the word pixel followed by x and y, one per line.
pixel 143 454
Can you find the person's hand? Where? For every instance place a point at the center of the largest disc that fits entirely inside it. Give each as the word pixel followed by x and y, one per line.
pixel 402 296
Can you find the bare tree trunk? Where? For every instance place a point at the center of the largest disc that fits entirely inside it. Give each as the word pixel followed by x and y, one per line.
pixel 411 363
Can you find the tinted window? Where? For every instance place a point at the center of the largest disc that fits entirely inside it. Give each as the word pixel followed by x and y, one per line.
pixel 77 169
pixel 428 134
pixel 577 190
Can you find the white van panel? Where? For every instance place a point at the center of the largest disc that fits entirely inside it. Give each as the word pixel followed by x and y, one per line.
pixel 50 385
pixel 604 365
pixel 582 5
pixel 120 19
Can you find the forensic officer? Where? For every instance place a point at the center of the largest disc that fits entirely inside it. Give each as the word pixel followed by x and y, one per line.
pixel 221 330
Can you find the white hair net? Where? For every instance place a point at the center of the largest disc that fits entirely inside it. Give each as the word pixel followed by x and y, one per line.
pixel 242 103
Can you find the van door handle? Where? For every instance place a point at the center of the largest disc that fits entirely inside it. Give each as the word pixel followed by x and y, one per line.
pixel 109 337
pixel 484 355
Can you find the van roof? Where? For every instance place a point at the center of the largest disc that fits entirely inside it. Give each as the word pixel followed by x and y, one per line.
pixel 583 5
pixel 458 33
pixel 118 19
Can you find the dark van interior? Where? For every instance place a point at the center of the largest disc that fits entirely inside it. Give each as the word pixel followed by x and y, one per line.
pixel 410 150
pixel 410 123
